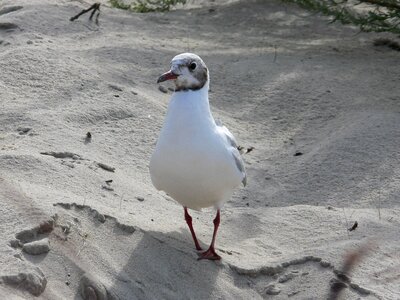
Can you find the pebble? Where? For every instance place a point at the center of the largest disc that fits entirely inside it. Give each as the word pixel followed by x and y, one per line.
pixel 272 290
pixel 115 87
pixel 107 187
pixel 293 293
pixel 163 89
pixel 106 167
pixel 325 264
pixel 285 277
pixel 24 130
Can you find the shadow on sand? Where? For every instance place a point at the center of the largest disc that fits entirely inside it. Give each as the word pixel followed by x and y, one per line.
pixel 157 263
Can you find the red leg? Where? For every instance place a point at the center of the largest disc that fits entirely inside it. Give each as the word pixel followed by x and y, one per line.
pixel 210 253
pixel 188 219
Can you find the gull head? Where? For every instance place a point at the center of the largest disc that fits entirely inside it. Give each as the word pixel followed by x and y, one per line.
pixel 188 71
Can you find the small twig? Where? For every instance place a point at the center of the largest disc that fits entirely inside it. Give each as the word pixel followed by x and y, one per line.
pixel 106 167
pixel 97 18
pixel 91 15
pixel 249 149
pixel 355 225
pixel 95 7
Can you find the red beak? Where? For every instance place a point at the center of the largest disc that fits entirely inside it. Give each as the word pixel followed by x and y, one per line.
pixel 167 76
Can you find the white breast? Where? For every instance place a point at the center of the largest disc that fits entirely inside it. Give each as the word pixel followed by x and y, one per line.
pixel 193 162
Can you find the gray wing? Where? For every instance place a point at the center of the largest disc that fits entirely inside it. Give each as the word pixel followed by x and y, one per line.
pixel 235 152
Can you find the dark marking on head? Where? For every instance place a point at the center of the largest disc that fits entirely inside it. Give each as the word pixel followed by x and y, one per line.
pixel 200 75
pixel 193 73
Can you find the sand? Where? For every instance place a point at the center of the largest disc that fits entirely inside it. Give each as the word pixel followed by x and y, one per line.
pixel 318 102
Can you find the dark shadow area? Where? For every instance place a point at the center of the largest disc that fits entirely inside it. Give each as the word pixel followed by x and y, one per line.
pixel 155 267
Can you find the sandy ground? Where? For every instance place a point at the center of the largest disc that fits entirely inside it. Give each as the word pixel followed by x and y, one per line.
pixel 319 103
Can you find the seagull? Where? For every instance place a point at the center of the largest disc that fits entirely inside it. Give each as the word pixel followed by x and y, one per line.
pixel 196 160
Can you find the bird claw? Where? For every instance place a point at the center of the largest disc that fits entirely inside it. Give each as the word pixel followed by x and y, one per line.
pixel 209 254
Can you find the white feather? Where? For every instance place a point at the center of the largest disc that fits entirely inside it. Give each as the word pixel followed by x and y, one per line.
pixel 193 161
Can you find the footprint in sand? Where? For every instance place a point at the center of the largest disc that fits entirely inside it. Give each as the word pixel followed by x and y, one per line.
pixel 24 276
pixel 290 277
pixel 9 9
pixel 8 26
pixel 34 241
pixel 21 274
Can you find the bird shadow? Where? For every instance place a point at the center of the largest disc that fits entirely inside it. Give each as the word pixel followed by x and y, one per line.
pixel 160 261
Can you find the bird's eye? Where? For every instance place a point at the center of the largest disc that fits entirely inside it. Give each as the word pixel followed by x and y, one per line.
pixel 192 66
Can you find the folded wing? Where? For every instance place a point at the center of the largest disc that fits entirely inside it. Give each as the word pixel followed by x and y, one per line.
pixel 233 149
